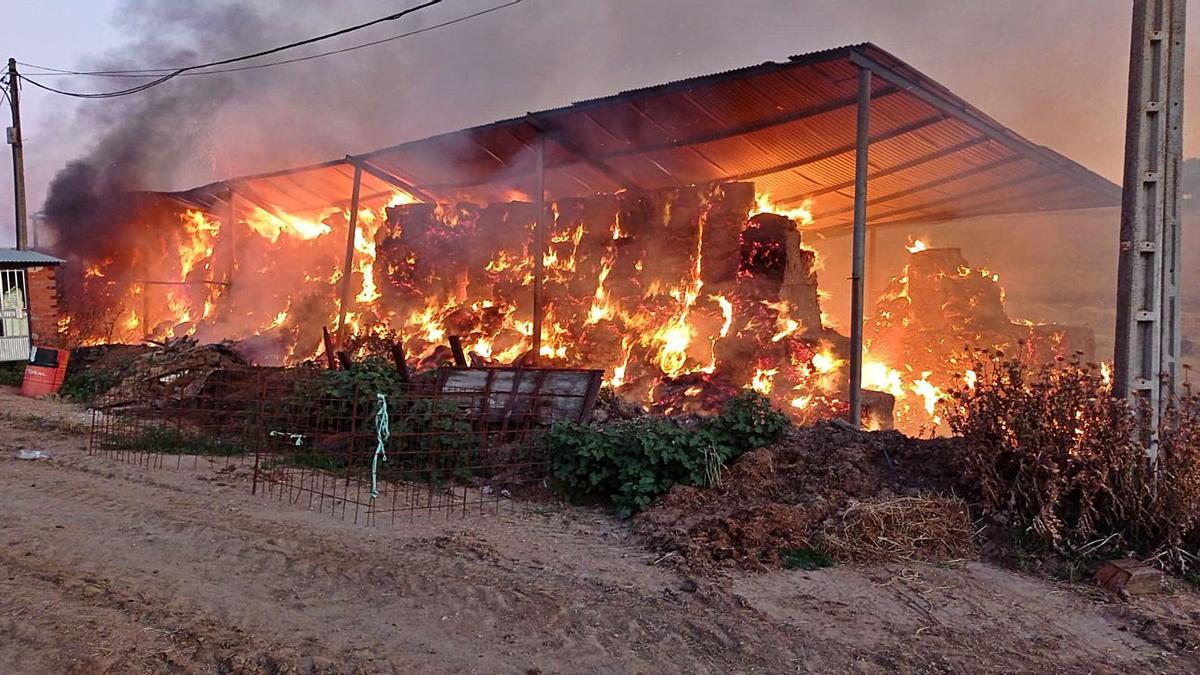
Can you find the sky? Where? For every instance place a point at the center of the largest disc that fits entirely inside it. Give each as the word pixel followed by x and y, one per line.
pixel 1054 70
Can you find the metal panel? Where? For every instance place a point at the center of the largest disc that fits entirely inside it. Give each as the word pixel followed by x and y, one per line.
pixel 787 126
pixel 14 316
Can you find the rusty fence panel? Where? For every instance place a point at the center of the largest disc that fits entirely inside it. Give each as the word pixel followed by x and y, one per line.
pixel 212 420
pixel 478 446
pixel 443 452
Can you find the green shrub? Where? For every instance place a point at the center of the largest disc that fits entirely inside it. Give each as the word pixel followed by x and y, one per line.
pixel 634 461
pixel 806 558
pixel 170 441
pixel 12 372
pixel 84 386
pixel 371 376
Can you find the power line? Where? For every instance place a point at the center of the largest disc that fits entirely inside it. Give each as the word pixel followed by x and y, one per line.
pixel 179 71
pixel 153 72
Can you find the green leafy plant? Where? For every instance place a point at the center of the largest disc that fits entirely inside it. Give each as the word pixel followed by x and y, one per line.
pixel 632 462
pixel 167 440
pixel 11 373
pixel 85 386
pixel 805 558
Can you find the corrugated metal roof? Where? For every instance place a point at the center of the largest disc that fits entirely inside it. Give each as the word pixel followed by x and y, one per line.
pixel 788 126
pixel 11 256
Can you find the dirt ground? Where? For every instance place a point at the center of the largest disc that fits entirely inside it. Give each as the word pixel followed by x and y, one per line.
pixel 107 567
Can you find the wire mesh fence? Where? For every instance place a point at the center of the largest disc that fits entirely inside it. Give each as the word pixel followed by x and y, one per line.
pixel 362 450
pixel 199 421
pixel 432 451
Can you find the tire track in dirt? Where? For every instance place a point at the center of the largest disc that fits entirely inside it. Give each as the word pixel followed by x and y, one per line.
pixel 454 581
pixel 85 625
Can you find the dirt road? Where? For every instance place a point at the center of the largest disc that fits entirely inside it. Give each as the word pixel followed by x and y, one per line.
pixel 109 568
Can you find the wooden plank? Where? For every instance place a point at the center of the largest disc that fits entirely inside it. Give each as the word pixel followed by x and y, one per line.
pixel 460 356
pixel 556 393
pixel 400 361
pixel 328 347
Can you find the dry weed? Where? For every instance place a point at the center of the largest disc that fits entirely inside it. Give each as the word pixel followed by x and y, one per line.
pixel 1050 448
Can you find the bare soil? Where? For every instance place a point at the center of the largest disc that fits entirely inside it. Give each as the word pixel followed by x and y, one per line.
pixel 107 567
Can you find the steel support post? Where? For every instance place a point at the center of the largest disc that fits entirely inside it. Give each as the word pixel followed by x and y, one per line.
pixel 231 235
pixel 539 249
pixel 1146 353
pixel 861 146
pixel 348 263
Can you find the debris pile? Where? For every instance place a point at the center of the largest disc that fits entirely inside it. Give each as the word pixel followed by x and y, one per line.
pixel 174 371
pixel 821 479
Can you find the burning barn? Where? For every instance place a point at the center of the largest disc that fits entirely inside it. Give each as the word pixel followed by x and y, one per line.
pixel 662 234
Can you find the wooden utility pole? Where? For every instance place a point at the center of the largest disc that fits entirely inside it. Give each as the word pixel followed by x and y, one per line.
pixel 1146 355
pixel 18 155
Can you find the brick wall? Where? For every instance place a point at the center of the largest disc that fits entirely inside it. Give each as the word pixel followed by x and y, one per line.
pixel 43 307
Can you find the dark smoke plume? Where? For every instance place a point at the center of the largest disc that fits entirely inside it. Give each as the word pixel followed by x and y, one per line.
pixel 144 138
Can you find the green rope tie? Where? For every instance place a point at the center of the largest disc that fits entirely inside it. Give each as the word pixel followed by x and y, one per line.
pixel 382 431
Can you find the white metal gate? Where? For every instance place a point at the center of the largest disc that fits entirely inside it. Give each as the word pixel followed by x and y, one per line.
pixel 14 316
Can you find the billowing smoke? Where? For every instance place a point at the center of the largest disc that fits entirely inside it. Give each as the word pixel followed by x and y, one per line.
pixel 143 138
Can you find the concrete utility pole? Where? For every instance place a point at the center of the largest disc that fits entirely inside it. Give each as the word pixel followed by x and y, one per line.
pixel 18 155
pixel 1146 358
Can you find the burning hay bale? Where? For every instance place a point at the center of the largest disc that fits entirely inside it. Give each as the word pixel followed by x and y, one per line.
pixel 892 529
pixel 935 309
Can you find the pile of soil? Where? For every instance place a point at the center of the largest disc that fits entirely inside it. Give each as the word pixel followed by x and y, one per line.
pixel 776 499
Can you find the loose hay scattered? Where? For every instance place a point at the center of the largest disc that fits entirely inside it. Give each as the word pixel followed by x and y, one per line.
pixel 900 529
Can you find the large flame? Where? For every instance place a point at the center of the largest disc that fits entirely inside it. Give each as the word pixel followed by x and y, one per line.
pixel 606 308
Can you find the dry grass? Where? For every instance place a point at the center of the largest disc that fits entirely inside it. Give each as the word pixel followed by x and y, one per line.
pixel 901 529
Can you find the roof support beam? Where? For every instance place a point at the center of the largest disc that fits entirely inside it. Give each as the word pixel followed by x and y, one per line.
pixel 985 124
pixel 900 194
pixel 885 223
pixel 761 125
pixel 390 178
pixel 840 150
pixel 1037 175
pixel 903 166
pixel 348 263
pixel 546 130
pixel 862 142
pixel 794 116
pixel 539 252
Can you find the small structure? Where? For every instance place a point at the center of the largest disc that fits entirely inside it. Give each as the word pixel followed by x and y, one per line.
pixel 28 302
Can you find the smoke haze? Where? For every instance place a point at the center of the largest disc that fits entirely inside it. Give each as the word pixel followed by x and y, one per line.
pixel 1053 71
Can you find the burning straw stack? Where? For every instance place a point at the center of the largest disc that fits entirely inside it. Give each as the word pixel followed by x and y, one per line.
pixel 941 305
pixel 673 292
